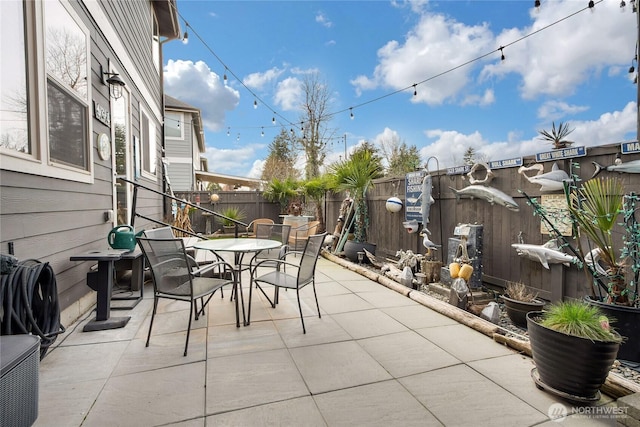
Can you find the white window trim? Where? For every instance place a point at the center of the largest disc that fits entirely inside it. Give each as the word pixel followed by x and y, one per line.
pixel 38 161
pixel 153 143
pixel 181 122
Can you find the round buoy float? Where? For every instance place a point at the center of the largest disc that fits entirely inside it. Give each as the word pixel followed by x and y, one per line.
pixel 394 204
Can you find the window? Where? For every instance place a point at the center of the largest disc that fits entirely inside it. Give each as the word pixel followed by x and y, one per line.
pixel 155 44
pixel 173 125
pixel 14 129
pixel 45 123
pixel 148 145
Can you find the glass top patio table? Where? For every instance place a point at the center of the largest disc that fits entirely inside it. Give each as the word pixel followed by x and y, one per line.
pixel 240 247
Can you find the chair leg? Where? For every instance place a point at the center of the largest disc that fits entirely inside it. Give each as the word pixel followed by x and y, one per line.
pixel 153 314
pixel 304 330
pixel 186 345
pixel 316 295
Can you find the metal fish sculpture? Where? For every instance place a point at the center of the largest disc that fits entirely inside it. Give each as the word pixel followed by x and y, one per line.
pixel 550 181
pixel 618 166
pixel 546 254
pixel 490 194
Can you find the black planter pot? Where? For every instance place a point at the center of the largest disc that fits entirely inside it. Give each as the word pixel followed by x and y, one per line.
pixel 352 248
pixel 625 320
pixel 569 366
pixel 517 310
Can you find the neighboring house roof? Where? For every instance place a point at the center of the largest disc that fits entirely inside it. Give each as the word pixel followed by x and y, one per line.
pixel 174 104
pixel 167 13
pixel 230 179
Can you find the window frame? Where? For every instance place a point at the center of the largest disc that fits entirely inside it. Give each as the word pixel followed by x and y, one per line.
pixel 180 120
pixel 38 161
pixel 148 146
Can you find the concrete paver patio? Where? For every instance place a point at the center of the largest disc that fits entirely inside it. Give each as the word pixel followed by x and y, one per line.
pixel 375 358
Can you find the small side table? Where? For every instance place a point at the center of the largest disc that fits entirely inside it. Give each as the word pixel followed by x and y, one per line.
pixel 101 281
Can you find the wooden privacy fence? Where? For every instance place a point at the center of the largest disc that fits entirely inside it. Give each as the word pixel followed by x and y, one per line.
pixel 501 227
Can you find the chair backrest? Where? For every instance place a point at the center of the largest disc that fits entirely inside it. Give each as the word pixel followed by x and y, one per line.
pixel 313 227
pixel 279 232
pixel 169 265
pixel 160 233
pixel 310 258
pixel 252 228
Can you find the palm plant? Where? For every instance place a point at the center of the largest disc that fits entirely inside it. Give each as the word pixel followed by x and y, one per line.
pixel 557 137
pixel 281 191
pixel 355 175
pixel 594 209
pixel 315 189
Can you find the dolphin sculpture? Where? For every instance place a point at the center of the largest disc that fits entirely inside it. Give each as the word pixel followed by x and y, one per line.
pixel 490 194
pixel 546 254
pixel 618 166
pixel 550 181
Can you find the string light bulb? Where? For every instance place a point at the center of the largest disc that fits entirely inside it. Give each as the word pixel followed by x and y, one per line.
pixel 255 104
pixel 351 116
pixel 228 131
pixel 224 77
pixel 262 131
pixel 623 5
pixel 502 57
pixel 415 91
pixel 273 120
pixel 591 4
pixel 536 4
pixel 632 69
pixel 185 38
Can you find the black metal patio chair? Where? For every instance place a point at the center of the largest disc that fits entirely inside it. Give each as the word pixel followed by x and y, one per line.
pixel 175 279
pixel 279 278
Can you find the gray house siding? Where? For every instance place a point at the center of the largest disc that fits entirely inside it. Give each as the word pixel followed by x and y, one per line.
pixel 181 176
pixel 52 219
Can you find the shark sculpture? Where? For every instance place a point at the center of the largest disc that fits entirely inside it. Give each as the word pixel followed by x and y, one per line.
pixel 546 254
pixel 550 181
pixel 490 194
pixel 618 166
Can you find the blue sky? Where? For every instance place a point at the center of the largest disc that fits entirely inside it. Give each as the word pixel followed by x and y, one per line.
pixel 575 71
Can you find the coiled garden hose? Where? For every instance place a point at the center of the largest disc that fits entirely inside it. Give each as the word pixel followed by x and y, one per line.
pixel 29 302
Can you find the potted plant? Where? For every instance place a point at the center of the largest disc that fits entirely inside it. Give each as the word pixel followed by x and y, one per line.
pixel 518 301
pixel 595 210
pixel 611 269
pixel 355 175
pixel 281 191
pixel 573 348
pixel 231 213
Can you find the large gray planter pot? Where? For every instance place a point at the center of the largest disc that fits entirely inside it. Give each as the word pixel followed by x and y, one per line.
pixel 352 248
pixel 571 367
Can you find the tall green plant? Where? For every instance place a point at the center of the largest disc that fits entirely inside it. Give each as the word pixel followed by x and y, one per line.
pixel 594 209
pixel 356 176
pixel 281 191
pixel 315 189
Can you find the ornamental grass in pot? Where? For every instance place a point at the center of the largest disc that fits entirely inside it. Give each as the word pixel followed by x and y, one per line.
pixel 573 348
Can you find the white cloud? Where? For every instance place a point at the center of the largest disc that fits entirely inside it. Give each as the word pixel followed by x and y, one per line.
pixel 288 94
pixel 323 20
pixel 197 85
pixel 556 62
pixel 448 146
pixel 556 110
pixel 232 160
pixel 434 45
pixel 260 80
pixel 487 98
pixel 256 169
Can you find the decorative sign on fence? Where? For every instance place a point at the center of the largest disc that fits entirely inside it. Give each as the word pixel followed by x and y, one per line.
pixel 458 170
pixel 506 163
pixel 630 147
pixel 413 190
pixel 564 153
pixel 555 205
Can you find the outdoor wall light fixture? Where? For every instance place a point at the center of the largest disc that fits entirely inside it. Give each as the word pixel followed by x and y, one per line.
pixel 114 81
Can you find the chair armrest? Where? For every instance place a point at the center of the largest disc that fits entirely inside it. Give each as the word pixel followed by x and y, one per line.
pixel 276 263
